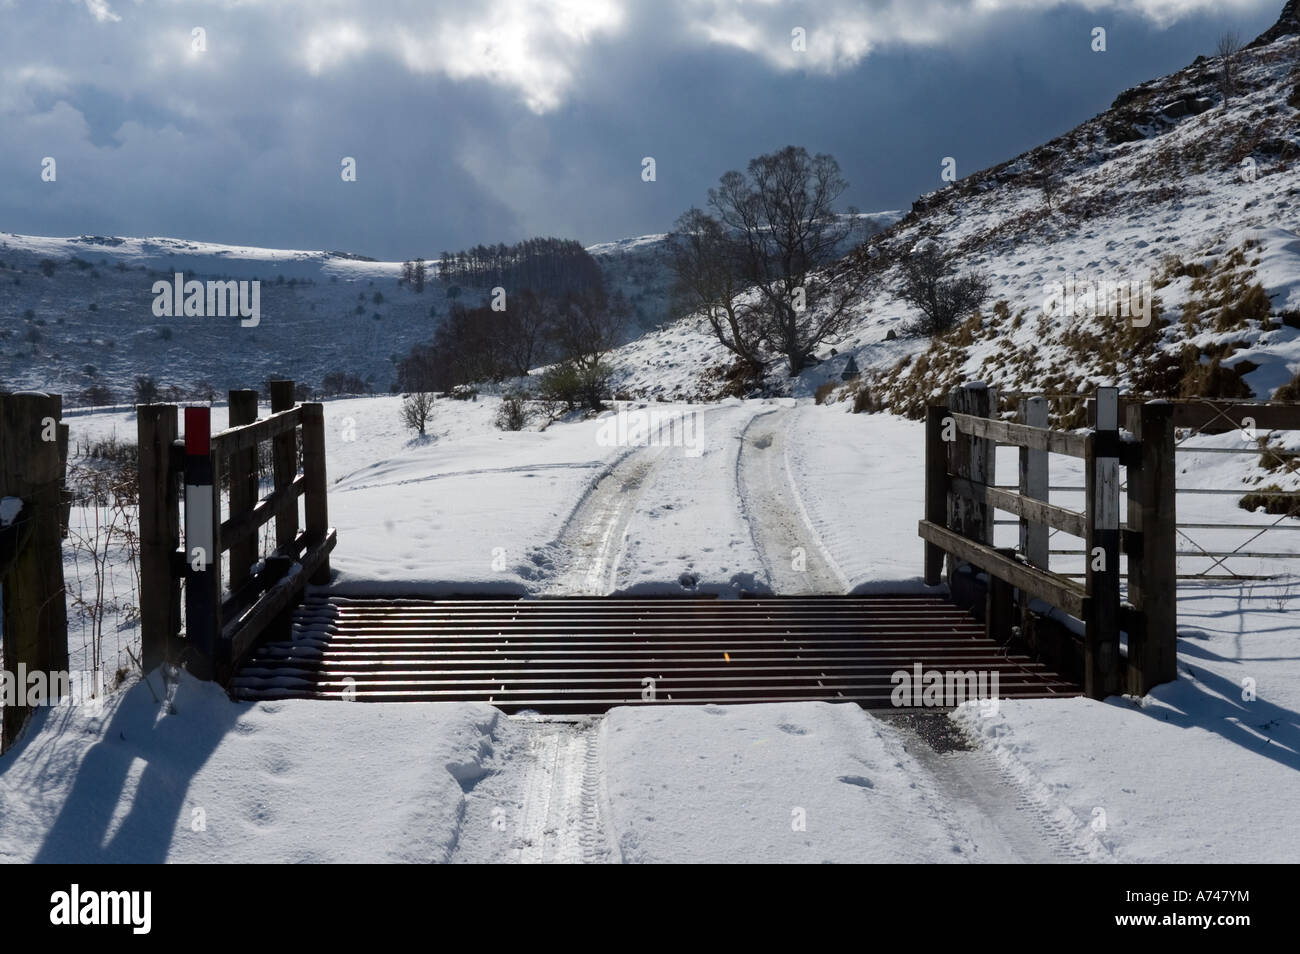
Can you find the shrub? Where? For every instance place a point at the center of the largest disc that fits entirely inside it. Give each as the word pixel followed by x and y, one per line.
pixel 464 392
pixel 512 415
pixel 1289 392
pixel 823 392
pixel 47 267
pixel 146 389
pixel 342 382
pixel 864 400
pixel 1253 305
pixel 97 395
pixel 569 384
pixel 932 286
pixel 1287 504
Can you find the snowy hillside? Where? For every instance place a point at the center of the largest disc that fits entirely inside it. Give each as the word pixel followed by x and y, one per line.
pixel 78 312
pixel 1172 186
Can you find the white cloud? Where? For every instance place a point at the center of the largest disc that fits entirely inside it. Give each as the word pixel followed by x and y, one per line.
pixel 541 52
pixel 533 49
pixel 101 11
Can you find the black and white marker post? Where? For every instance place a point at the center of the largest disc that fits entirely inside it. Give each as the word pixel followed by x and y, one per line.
pixel 203 574
pixel 1101 644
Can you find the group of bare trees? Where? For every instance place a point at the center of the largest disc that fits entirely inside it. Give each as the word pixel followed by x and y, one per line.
pixel 763 263
pixel 547 266
pixel 415 273
pixel 576 329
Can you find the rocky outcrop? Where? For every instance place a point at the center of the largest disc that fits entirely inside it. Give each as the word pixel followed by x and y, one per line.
pixel 1288 24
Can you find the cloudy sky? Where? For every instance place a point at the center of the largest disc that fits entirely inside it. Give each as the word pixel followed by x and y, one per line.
pixel 491 120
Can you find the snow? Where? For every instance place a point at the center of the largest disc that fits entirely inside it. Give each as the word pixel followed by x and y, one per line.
pixel 808 784
pixel 1093 781
pixel 1200 770
pixel 215 781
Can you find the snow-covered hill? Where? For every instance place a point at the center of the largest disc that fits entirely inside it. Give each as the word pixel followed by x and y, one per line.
pixel 78 312
pixel 1174 186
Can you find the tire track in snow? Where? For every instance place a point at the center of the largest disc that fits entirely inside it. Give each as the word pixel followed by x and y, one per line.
pixel 561 820
pixel 1006 823
pixel 538 799
pixel 777 521
pixel 593 537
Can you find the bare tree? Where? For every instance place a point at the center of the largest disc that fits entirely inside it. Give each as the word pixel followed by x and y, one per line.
pixel 588 325
pixel 1229 51
pixel 932 286
pixel 781 211
pixel 709 265
pixel 524 330
pixel 1050 181
pixel 417 409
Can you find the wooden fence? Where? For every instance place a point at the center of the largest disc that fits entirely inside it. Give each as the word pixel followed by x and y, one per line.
pixel 960 500
pixel 33 462
pixel 223 619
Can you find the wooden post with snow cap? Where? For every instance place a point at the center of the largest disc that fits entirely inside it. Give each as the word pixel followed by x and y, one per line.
pixel 1102 672
pixel 35 624
pixel 202 544
pixel 972 458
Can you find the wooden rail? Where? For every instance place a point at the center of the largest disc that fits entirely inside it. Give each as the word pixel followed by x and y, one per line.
pixel 225 618
pixel 961 440
pixel 33 467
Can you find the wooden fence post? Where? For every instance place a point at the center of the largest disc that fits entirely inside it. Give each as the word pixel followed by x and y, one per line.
pixel 972 458
pixel 313 467
pixel 936 487
pixel 1102 676
pixel 285 463
pixel 1034 483
pixel 160 588
pixel 243 489
pixel 1153 582
pixel 35 623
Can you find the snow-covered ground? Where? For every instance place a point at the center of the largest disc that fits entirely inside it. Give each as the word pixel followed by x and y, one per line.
pixel 1197 771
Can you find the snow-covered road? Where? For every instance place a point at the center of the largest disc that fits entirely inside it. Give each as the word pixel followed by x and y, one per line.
pixel 1197 771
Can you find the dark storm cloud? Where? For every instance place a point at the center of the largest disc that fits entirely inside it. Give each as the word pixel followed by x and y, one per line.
pixel 489 122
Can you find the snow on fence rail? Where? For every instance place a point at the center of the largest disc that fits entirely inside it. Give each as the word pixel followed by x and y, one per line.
pixel 220 626
pixel 961 496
